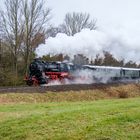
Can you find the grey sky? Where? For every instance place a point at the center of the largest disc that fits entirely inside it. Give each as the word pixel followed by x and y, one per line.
pixel 105 11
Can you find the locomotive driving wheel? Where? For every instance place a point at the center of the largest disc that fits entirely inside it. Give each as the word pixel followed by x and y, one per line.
pixel 29 82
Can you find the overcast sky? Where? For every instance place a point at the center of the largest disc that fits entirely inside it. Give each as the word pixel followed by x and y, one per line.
pixel 107 12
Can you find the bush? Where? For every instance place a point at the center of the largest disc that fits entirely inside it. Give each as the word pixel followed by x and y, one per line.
pixel 9 79
pixel 123 94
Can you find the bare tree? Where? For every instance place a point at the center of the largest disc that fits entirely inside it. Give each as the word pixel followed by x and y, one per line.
pixel 53 31
pixel 35 18
pixel 131 64
pixel 98 60
pixel 75 22
pixel 80 59
pixel 11 28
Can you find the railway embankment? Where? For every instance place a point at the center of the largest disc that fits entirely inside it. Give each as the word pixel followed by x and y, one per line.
pixel 72 93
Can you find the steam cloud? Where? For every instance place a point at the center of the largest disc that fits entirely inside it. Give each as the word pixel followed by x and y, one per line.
pixel 86 77
pixel 123 43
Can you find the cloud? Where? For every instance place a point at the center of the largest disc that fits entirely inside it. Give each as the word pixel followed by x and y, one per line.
pixel 122 42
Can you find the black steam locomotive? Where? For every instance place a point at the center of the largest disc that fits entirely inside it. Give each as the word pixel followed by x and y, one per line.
pixel 41 72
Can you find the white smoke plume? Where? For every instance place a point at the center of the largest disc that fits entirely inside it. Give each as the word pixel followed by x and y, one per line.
pixel 123 43
pixel 85 76
pixel 79 77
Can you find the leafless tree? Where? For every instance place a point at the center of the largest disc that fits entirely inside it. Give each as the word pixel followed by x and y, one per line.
pixel 53 31
pixel 80 59
pixel 23 27
pixel 75 22
pixel 98 60
pixel 11 28
pixel 35 18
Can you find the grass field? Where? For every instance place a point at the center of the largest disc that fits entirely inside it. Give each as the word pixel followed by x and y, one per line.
pixel 114 119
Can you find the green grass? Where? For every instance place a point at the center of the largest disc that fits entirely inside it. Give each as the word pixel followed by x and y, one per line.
pixel 116 119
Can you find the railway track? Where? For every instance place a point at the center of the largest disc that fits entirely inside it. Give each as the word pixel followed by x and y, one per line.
pixel 56 88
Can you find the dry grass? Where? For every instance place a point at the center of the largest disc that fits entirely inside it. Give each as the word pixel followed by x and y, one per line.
pixel 122 91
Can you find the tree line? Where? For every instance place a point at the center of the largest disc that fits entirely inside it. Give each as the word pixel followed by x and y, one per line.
pixel 24 24
pixel 106 59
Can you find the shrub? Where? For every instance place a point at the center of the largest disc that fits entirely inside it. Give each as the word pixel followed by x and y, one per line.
pixel 123 94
